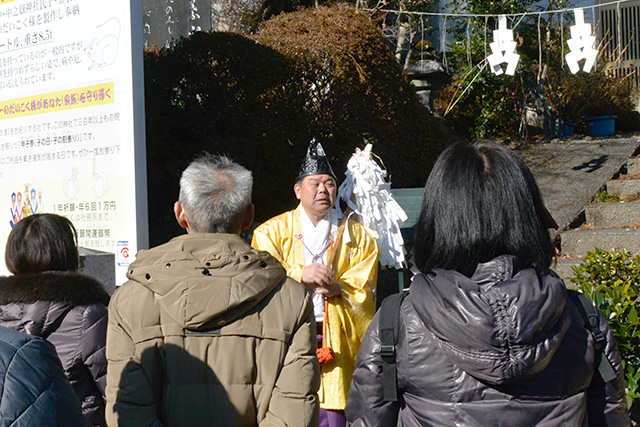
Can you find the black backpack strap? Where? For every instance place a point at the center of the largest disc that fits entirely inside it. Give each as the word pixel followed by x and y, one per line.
pixel 388 321
pixel 591 319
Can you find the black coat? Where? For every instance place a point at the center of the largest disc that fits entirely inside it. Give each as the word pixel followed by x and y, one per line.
pixel 33 388
pixel 70 311
pixel 496 349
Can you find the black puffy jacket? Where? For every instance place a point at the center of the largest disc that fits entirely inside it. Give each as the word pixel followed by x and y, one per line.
pixel 496 349
pixel 33 388
pixel 70 311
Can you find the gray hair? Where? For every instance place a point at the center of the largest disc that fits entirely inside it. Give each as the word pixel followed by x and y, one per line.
pixel 215 193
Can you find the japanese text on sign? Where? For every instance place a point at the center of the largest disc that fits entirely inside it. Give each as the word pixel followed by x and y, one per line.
pixel 99 94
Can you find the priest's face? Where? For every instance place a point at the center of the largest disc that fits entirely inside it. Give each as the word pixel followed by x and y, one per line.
pixel 317 195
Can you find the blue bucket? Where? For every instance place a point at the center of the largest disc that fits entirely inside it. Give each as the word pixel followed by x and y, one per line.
pixel 567 129
pixel 601 125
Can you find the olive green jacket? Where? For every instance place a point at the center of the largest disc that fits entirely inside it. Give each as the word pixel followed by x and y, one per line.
pixel 208 331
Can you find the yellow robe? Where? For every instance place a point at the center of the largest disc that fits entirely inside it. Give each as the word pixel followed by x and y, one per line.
pixel 356 270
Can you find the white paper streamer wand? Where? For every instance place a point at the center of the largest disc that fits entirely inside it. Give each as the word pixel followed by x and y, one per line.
pixel 367 192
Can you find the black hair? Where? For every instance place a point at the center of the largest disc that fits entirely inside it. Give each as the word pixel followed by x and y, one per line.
pixel 481 201
pixel 42 242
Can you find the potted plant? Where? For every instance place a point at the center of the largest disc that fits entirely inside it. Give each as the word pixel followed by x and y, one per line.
pixel 592 101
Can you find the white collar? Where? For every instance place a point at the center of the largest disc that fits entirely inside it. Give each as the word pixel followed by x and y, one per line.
pixel 314 235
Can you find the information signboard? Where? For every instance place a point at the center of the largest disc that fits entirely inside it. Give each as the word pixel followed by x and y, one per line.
pixel 72 120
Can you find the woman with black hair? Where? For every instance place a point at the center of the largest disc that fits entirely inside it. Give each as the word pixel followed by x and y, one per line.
pixel 487 335
pixel 47 297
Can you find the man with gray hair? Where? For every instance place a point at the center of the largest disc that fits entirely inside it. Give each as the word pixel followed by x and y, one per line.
pixel 207 330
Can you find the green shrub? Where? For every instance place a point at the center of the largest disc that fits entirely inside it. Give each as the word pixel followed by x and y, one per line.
pixel 222 93
pixel 612 281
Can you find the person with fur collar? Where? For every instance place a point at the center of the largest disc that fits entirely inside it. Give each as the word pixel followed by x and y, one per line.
pixel 47 297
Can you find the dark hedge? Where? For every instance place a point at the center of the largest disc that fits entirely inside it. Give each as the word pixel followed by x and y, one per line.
pixel 324 72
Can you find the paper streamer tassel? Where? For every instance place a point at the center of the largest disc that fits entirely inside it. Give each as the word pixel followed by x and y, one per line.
pixel 367 192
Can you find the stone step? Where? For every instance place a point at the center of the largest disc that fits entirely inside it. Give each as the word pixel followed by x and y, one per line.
pixel 578 242
pixel 633 166
pixel 563 267
pixel 624 187
pixel 613 214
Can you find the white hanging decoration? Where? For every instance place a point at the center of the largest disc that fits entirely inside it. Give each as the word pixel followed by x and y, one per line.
pixel 581 45
pixel 503 49
pixel 367 192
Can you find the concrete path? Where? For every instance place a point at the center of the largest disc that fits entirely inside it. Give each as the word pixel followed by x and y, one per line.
pixel 569 173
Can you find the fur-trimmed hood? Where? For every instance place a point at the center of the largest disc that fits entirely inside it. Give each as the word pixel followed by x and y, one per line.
pixel 64 287
pixel 37 303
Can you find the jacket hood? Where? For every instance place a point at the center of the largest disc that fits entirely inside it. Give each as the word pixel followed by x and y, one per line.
pixel 497 326
pixel 205 281
pixel 36 302
pixel 65 287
